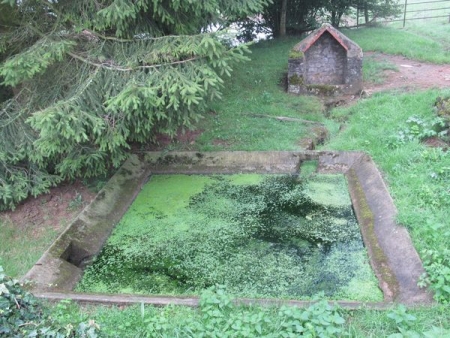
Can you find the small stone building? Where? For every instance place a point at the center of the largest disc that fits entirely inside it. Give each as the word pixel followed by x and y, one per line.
pixel 326 63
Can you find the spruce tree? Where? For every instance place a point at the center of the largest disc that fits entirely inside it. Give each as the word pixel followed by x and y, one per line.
pixel 91 77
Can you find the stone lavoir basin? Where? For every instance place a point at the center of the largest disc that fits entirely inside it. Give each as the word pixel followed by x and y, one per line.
pixel 268 225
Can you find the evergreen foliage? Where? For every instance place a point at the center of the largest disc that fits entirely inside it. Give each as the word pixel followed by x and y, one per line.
pixel 301 15
pixel 372 9
pixel 305 15
pixel 90 78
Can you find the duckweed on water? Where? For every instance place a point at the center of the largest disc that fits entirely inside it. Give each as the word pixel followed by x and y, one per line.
pixel 260 236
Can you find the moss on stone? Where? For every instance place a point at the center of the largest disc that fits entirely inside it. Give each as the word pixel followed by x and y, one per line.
pixel 296 80
pixel 366 220
pixel 294 54
pixel 322 89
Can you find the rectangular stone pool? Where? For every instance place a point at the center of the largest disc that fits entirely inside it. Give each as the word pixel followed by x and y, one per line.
pixel 268 225
pixel 258 235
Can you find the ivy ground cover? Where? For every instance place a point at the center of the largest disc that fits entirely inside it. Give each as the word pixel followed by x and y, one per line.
pixel 258 236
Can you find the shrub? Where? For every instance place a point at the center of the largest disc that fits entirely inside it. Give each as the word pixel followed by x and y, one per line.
pixel 419 129
pixel 220 317
pixel 22 315
pixel 437 267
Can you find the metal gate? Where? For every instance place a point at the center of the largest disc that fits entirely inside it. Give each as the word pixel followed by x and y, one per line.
pixel 418 10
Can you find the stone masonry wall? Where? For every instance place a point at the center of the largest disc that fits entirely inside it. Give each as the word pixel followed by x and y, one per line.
pixel 295 67
pixel 354 75
pixel 326 62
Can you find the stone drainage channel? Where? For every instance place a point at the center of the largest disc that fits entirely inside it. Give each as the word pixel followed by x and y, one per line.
pixel 392 255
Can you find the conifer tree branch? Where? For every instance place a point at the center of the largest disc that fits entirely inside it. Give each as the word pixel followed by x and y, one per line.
pixel 50 5
pixel 111 66
pixel 147 38
pixel 86 95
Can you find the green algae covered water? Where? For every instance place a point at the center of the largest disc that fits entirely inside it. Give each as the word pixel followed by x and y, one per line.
pixel 259 235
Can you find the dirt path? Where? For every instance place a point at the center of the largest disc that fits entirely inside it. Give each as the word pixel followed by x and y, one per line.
pixel 411 75
pixel 51 211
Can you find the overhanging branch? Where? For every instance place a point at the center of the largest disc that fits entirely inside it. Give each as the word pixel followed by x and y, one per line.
pixel 129 69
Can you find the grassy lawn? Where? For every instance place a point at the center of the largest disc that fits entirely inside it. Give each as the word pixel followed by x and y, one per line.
pixel 418 177
pixel 412 43
pixel 257 88
pixel 373 69
pixel 225 320
pixel 415 173
pixel 435 28
pixel 15 260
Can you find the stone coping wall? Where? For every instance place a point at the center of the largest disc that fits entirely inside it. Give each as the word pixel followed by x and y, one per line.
pixel 61 266
pixel 392 255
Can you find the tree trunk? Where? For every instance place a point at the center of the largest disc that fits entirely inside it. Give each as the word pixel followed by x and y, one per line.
pixel 333 19
pixel 366 13
pixel 283 18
